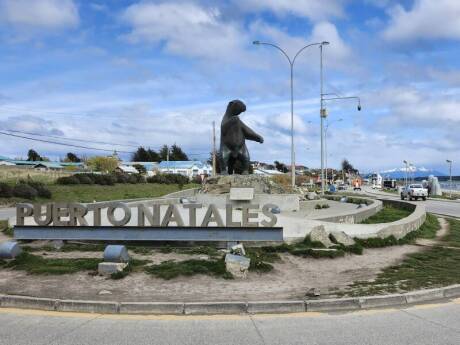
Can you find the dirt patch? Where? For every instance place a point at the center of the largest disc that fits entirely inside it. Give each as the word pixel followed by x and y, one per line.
pixel 290 279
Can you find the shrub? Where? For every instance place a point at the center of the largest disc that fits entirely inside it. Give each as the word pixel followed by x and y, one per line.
pixel 105 180
pixel 5 190
pixel 66 180
pixel 168 179
pixel 85 178
pixel 132 179
pixel 41 189
pixel 24 191
pixel 121 178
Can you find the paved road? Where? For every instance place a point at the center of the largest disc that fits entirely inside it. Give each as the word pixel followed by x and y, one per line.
pixel 6 213
pixel 449 208
pixel 421 325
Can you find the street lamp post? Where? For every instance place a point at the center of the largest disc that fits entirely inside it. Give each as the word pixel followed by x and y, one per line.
pixel 323 114
pixel 450 174
pixel 328 124
pixel 291 63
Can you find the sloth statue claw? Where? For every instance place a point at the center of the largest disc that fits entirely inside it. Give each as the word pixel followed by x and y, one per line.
pixel 234 155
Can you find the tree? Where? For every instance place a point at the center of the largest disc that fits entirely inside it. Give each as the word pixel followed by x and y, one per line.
pixel 33 156
pixel 145 155
pixel 72 157
pixel 140 168
pixel 218 169
pixel 346 166
pixel 280 167
pixel 175 153
pixel 103 164
pixel 164 153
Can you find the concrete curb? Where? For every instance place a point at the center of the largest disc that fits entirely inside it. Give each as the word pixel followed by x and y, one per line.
pixel 214 308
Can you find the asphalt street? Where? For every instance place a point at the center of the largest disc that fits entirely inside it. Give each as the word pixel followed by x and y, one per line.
pixel 443 207
pixel 421 325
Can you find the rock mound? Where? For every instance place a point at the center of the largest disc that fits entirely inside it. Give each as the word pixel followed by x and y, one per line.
pixel 261 184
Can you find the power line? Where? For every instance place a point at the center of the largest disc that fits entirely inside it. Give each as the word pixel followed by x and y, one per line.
pixel 62 144
pixel 71 139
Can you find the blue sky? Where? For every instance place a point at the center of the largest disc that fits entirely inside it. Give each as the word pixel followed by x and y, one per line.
pixel 159 72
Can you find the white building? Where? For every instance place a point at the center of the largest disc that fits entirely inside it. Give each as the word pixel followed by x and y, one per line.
pixel 190 169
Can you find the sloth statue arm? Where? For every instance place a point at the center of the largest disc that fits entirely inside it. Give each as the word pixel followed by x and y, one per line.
pixel 250 134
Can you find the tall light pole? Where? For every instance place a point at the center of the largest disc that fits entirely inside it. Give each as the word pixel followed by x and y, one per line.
pixel 449 161
pixel 323 114
pixel 328 124
pixel 291 63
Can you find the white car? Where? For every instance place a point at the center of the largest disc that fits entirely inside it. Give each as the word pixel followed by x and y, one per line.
pixel 414 191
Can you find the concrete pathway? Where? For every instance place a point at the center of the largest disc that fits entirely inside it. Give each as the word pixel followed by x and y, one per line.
pixel 422 325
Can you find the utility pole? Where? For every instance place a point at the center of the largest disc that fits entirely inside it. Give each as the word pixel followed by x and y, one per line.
pixel 214 165
pixel 450 174
pixel 167 158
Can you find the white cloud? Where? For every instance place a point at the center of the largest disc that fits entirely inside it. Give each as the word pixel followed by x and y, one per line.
pixel 312 9
pixel 337 53
pixel 185 29
pixel 427 19
pixel 39 14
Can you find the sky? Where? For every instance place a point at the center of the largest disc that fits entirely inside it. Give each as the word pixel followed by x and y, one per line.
pixel 133 72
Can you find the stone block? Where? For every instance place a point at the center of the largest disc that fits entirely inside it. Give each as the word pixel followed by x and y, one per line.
pixel 152 308
pixel 108 268
pixel 57 244
pixel 116 253
pixel 214 308
pixel 312 196
pixel 238 249
pixel 451 291
pixel 9 250
pixel 88 306
pixel 241 193
pixel 333 304
pixel 276 307
pixel 25 302
pixel 424 295
pixel 319 234
pixel 342 238
pixel 382 301
pixel 237 265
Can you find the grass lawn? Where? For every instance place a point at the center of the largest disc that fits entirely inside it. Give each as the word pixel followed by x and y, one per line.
pixel 387 215
pixel 433 267
pixel 34 264
pixel 170 269
pixel 90 193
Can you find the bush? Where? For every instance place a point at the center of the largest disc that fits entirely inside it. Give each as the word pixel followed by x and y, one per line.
pixel 5 190
pixel 168 179
pixel 41 189
pixel 24 191
pixel 121 178
pixel 132 179
pixel 105 180
pixel 66 180
pixel 85 178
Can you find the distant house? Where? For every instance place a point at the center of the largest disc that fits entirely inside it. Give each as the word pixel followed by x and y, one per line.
pixel 267 172
pixel 190 169
pixel 125 169
pixel 46 166
pixel 149 166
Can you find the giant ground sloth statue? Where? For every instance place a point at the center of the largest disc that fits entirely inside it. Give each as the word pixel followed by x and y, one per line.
pixel 234 155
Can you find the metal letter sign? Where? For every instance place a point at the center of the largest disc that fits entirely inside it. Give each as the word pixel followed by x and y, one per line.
pixel 66 221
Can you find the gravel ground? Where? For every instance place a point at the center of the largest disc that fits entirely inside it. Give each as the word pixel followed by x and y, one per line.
pixel 290 279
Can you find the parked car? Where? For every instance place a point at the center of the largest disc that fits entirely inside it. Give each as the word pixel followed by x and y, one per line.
pixel 342 186
pixel 414 191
